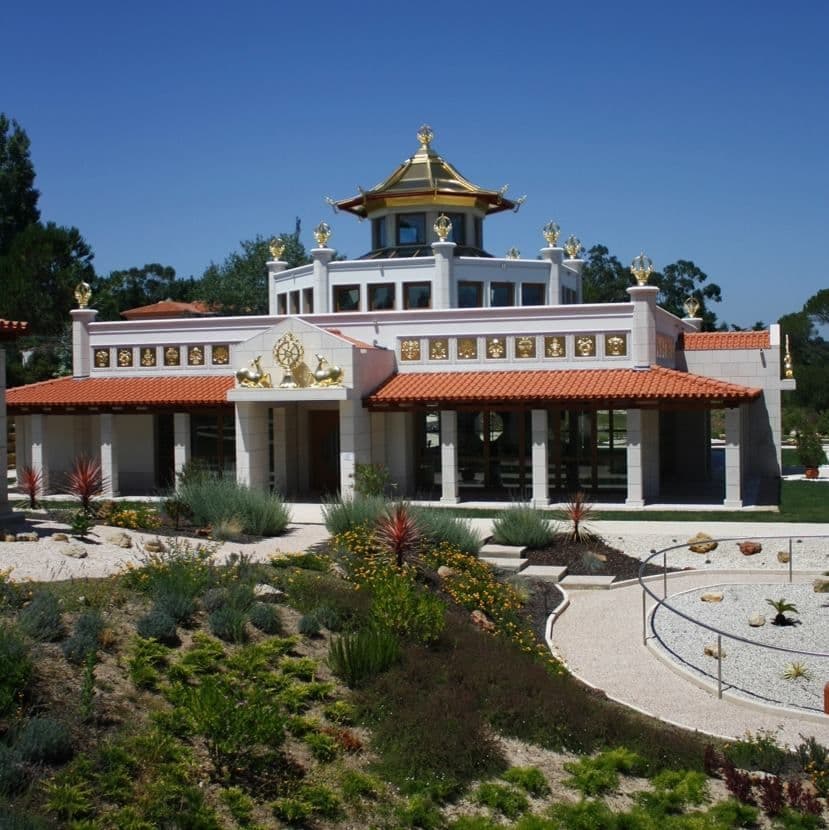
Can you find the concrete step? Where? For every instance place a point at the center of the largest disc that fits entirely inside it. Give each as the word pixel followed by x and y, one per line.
pixel 505 563
pixel 576 583
pixel 502 551
pixel 546 573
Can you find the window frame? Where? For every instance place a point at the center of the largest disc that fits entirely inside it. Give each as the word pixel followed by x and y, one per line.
pixel 421 230
pixel 341 289
pixel 409 285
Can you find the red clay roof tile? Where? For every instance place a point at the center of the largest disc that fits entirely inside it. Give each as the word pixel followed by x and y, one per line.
pixel 717 340
pixel 166 308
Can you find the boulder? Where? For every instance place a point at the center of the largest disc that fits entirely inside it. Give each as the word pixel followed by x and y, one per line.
pixel 701 543
pixel 122 540
pixel 713 596
pixel 479 619
pixel 338 570
pixel 711 650
pixel 749 548
pixel 821 585
pixel 155 546
pixel 9 537
pixel 76 552
pixel 444 572
pixel 783 557
pixel 26 537
pixel 60 537
pixel 267 593
pixel 756 620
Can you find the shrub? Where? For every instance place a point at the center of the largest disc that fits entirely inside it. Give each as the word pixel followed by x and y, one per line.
pixel 15 667
pixel 576 511
pixel 341 515
pixel 85 638
pixel 809 447
pixel 82 522
pixel 294 811
pixel 371 480
pixel 31 483
pixel 309 625
pixel 13 820
pixel 420 812
pixel 41 619
pixel 158 625
pixel 530 779
pixel 85 480
pixel 12 771
pixel 758 751
pixel 135 517
pixel 397 531
pixel 341 712
pixel 438 526
pixel 145 658
pixel 323 747
pixel 303 561
pixel 228 624
pixel 503 798
pixel 524 526
pixel 180 607
pixel 265 618
pixel 213 599
pixel 401 605
pixel 586 815
pixel 358 657
pixel 239 804
pixel 356 785
pixel 600 774
pixel 674 790
pixel 183 569
pixel 44 741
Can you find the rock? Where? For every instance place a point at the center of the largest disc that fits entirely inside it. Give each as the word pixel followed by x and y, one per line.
pixel 749 548
pixel 76 552
pixel 267 593
pixel 783 556
pixel 756 620
pixel 155 546
pixel 9 537
pixel 444 572
pixel 338 570
pixel 481 620
pixel 821 585
pixel 26 537
pixel 713 596
pixel 123 540
pixel 60 537
pixel 701 543
pixel 711 650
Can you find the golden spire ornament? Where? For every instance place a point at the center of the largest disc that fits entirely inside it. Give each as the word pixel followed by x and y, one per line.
pixel 83 293
pixel 691 306
pixel 277 247
pixel 788 364
pixel 641 268
pixel 425 135
pixel 573 247
pixel 513 253
pixel 442 227
pixel 551 232
pixel 322 233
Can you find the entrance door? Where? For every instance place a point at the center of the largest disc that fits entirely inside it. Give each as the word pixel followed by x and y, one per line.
pixel 324 451
pixel 165 477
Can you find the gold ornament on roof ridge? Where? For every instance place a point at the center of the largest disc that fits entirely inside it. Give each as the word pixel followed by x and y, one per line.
pixel 573 246
pixel 788 363
pixel 691 306
pixel 83 293
pixel 425 135
pixel 442 227
pixel 322 233
pixel 277 247
pixel 641 268
pixel 551 232
pixel 513 253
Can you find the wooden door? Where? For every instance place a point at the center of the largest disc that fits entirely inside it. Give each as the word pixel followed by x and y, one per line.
pixel 324 451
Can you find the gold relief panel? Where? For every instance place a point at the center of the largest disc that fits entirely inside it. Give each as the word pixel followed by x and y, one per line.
pixel 125 358
pixel 172 356
pixel 496 348
pixel 524 347
pixel 410 350
pixel 586 345
pixel 616 345
pixel 467 348
pixel 555 347
pixel 195 355
pixel 439 349
pixel 102 358
pixel 220 355
pixel 147 357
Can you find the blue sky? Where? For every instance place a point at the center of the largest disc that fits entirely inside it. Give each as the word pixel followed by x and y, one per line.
pixel 167 132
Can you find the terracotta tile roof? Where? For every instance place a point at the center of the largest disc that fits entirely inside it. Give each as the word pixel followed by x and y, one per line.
pixel 702 341
pixel 358 343
pixel 12 328
pixel 166 308
pixel 617 386
pixel 192 390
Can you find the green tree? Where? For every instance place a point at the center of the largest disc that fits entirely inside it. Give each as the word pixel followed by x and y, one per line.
pixel 18 197
pixel 136 287
pixel 604 278
pixel 683 279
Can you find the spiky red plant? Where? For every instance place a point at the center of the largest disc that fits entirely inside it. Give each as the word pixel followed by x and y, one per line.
pixel 398 531
pixel 577 510
pixel 85 480
pixel 31 483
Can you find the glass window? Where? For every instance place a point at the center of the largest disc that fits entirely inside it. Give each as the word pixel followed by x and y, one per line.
pixel 380 297
pixel 533 293
pixel 411 229
pixel 470 294
pixel 479 232
pixel 501 294
pixel 346 298
pixel 458 235
pixel 568 296
pixel 295 302
pixel 213 442
pixel 417 295
pixel 308 300
pixel 281 303
pixel 378 233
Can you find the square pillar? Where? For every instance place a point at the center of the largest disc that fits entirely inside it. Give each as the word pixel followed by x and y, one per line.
pixel 284 449
pixel 355 443
pixel 541 493
pixel 449 457
pixel 252 459
pixel 642 456
pixel 181 442
pixel 109 454
pixel 37 433
pixel 4 450
pixel 733 460
pixel 635 494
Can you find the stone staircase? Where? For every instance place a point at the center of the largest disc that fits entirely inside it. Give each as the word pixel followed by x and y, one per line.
pixel 511 558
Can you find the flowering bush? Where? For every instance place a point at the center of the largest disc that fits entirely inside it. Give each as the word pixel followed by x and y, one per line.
pixel 134 517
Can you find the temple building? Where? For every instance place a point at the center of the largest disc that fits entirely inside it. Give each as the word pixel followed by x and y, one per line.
pixel 471 377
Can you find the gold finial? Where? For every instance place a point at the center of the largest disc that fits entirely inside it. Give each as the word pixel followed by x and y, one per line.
pixel 83 293
pixel 551 232
pixel 573 247
pixel 691 306
pixel 277 247
pixel 641 268
pixel 442 227
pixel 322 233
pixel 513 253
pixel 788 365
pixel 425 135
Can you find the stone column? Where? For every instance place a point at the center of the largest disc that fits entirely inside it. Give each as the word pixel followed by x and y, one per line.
pixel 109 454
pixel 576 265
pixel 284 449
pixel 635 494
pixel 252 467
pixel 322 286
pixel 81 352
pixel 643 333
pixel 355 443
pixel 181 443
pixel 449 456
pixel 275 266
pixel 555 257
pixel 37 434
pixel 442 288
pixel 642 456
pixel 540 467
pixel 733 460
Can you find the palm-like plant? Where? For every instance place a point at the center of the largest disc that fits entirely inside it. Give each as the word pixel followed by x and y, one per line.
pixel 782 607
pixel 397 530
pixel 85 480
pixel 577 510
pixel 31 482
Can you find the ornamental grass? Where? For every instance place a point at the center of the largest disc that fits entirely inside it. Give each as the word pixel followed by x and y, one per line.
pixel 524 526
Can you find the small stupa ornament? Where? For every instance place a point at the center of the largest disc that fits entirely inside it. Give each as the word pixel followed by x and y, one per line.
pixel 443 227
pixel 425 135
pixel 572 247
pixel 83 293
pixel 551 232
pixel 641 268
pixel 513 253
pixel 322 233
pixel 788 364
pixel 691 306
pixel 277 247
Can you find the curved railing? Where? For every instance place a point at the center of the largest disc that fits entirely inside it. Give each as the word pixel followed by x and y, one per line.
pixel 662 602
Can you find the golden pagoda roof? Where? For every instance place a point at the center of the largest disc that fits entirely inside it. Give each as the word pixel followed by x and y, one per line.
pixel 426 179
